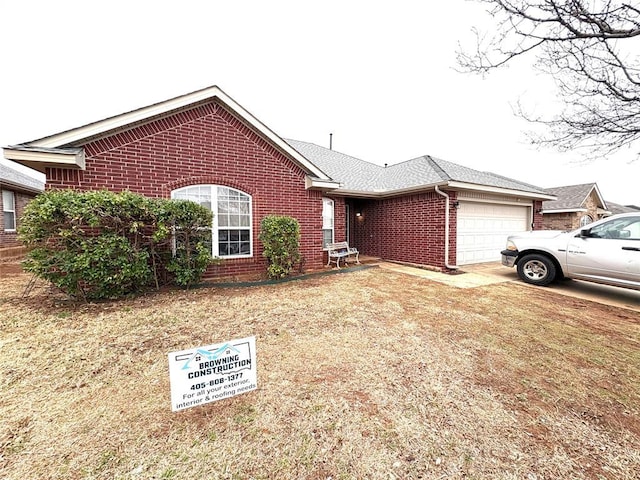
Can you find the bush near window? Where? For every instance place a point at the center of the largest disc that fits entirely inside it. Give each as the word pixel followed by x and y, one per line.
pixel 280 236
pixel 101 244
pixel 192 247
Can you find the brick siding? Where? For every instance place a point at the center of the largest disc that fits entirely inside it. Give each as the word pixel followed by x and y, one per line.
pixel 205 145
pixel 538 217
pixel 406 229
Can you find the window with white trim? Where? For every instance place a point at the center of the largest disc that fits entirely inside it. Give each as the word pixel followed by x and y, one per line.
pixel 327 221
pixel 9 210
pixel 231 231
pixel 585 220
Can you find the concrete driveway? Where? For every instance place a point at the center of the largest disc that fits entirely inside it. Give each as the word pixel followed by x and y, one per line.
pixel 493 273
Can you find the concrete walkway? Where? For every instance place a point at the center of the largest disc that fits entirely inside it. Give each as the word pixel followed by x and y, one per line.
pixel 494 273
pixel 473 276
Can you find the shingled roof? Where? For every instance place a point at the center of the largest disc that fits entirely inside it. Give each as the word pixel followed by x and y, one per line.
pixel 571 197
pixel 12 178
pixel 65 149
pixel 616 208
pixel 360 176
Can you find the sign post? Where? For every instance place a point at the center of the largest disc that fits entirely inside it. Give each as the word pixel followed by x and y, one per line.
pixel 213 372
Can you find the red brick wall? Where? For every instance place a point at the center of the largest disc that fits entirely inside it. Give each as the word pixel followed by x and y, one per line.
pixel 204 145
pixel 561 221
pixel 10 239
pixel 340 219
pixel 406 229
pixel 538 218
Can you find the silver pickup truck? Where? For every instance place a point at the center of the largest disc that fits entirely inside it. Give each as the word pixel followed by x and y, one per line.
pixel 606 251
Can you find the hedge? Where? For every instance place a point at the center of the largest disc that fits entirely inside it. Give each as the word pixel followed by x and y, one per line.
pixel 101 244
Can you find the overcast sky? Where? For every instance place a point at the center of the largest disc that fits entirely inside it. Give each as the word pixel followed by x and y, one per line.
pixel 378 75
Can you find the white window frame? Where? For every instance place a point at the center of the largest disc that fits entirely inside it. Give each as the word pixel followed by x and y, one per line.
pixel 328 219
pixel 211 193
pixel 585 220
pixel 12 210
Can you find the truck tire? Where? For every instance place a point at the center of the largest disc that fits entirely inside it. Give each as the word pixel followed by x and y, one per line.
pixel 536 269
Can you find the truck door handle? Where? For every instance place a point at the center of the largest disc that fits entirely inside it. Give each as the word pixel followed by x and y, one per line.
pixel 634 249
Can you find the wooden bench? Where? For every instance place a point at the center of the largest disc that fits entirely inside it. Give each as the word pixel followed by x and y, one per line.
pixel 339 250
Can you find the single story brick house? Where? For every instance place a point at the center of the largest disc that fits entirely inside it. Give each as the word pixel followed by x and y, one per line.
pixel 578 205
pixel 205 147
pixel 573 207
pixel 16 190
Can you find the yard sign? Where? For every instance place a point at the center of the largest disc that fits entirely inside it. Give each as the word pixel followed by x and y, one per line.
pixel 211 373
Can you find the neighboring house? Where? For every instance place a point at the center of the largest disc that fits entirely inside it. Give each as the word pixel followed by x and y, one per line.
pixel 574 206
pixel 205 147
pixel 17 189
pixel 615 208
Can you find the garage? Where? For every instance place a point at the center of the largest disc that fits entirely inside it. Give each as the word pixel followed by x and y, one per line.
pixel 483 229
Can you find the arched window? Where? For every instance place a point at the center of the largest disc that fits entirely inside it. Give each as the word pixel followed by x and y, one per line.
pixel 231 232
pixel 585 220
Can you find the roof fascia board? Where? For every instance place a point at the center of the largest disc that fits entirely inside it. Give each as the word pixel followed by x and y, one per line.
pixel 39 160
pixel 500 190
pixel 373 194
pixel 19 187
pixel 112 123
pixel 119 121
pixel 319 183
pixel 603 204
pixel 271 135
pixel 564 210
pixel 354 194
pixel 449 184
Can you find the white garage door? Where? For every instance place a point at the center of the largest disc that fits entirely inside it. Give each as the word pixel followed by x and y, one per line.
pixel 483 229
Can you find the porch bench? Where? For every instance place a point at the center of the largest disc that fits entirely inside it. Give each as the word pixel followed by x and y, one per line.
pixel 338 250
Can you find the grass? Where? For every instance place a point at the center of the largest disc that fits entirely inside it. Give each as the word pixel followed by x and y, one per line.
pixel 369 374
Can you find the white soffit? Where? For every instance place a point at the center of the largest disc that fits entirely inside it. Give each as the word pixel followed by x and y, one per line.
pixel 39 159
pixel 499 190
pixel 76 135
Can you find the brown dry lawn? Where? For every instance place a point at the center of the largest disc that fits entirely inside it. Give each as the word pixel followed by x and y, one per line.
pixel 368 374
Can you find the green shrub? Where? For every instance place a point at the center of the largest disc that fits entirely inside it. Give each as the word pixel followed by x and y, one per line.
pixel 280 236
pixel 192 247
pixel 101 244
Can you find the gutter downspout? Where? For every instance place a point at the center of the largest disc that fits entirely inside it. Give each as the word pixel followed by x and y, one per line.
pixel 446 230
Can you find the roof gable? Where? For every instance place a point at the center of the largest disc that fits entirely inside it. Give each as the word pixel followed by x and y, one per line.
pixel 63 149
pixel 572 197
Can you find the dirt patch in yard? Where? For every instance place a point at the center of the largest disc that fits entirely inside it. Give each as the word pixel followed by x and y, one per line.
pixel 367 374
pixel 9 269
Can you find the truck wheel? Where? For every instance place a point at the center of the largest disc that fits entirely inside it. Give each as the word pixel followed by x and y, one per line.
pixel 536 269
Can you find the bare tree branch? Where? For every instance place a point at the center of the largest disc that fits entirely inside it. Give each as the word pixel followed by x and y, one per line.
pixel 590 47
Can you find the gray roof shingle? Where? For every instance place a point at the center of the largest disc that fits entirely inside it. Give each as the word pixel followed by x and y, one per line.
pixel 570 197
pixel 19 180
pixel 616 208
pixel 360 176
